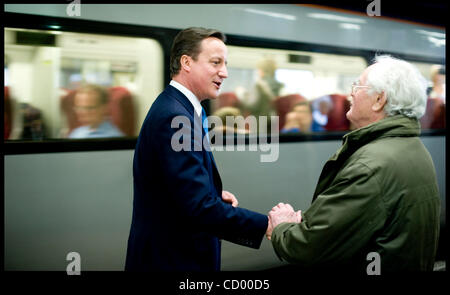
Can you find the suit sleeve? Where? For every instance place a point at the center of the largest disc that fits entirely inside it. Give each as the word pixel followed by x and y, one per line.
pixel 338 224
pixel 196 201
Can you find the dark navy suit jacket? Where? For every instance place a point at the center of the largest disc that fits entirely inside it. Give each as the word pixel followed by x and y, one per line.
pixel 178 213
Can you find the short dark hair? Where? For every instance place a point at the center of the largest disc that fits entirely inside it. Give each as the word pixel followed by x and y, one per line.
pixel 102 92
pixel 304 103
pixel 187 42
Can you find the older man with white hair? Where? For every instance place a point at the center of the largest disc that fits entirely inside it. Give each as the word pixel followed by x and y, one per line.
pixel 376 205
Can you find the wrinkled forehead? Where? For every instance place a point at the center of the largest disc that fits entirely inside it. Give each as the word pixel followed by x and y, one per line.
pixel 90 97
pixel 301 108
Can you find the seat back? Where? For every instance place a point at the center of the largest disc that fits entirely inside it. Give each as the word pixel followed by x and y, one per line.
pixel 227 99
pixel 439 117
pixel 337 120
pixel 121 110
pixel 67 104
pixel 284 104
pixel 7 111
pixel 434 117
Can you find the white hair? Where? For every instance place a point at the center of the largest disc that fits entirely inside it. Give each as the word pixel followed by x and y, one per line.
pixel 403 84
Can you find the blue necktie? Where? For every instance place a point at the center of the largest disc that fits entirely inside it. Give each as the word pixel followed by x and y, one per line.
pixel 205 124
pixel 210 155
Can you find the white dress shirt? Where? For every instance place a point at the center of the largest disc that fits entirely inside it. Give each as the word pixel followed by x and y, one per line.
pixel 191 96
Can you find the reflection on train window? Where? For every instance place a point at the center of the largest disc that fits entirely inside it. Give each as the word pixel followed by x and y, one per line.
pixel 273 82
pixel 54 83
pixel 434 117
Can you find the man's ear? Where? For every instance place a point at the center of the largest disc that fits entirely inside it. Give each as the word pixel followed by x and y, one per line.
pixel 185 62
pixel 380 102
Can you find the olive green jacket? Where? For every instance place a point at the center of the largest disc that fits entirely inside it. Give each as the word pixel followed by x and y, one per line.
pixel 378 193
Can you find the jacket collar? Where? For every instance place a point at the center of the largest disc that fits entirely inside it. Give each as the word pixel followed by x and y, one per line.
pixel 397 125
pixel 189 95
pixel 181 98
pixel 393 126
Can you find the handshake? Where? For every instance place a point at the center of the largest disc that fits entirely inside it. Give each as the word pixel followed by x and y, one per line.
pixel 279 214
pixel 282 213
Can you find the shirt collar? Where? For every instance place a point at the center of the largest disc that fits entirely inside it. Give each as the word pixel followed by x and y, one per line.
pixel 190 96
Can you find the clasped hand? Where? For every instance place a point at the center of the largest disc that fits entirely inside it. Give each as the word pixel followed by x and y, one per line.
pixel 282 213
pixel 229 198
pixel 279 214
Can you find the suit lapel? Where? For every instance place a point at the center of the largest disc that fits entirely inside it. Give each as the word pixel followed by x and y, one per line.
pixel 212 160
pixel 209 158
pixel 215 174
pixel 180 97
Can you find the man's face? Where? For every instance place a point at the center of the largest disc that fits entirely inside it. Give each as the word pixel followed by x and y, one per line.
pixel 303 114
pixel 438 79
pixel 360 113
pixel 209 70
pixel 88 108
pixel 324 107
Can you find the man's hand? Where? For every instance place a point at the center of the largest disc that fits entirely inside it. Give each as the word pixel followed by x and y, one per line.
pixel 229 198
pixel 269 229
pixel 282 213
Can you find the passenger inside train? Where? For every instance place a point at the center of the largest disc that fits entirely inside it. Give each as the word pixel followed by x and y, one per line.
pixel 301 119
pixel 265 89
pixel 321 107
pixel 91 107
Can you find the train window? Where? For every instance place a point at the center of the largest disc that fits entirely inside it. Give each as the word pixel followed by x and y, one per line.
pixel 266 82
pixel 54 82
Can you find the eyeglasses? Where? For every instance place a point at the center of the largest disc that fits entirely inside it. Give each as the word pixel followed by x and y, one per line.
pixel 355 86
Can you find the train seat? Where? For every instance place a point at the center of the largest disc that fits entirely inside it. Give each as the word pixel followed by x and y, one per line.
pixel 434 117
pixel 7 111
pixel 66 104
pixel 337 120
pixel 120 110
pixel 284 104
pixel 13 116
pixel 227 99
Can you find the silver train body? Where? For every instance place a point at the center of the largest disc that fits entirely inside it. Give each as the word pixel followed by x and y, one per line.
pixel 62 196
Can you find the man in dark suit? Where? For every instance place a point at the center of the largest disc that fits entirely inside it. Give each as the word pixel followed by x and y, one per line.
pixel 180 211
